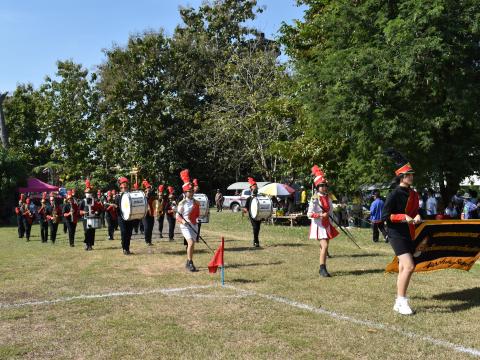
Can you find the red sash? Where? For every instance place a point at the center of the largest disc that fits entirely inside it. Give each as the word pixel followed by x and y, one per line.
pixel 325 204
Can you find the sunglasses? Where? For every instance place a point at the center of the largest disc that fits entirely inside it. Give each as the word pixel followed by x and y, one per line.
pixel 323 185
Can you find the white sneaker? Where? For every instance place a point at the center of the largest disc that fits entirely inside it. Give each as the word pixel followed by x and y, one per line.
pixel 401 306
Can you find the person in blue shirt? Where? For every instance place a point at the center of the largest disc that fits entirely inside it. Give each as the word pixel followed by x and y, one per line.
pixel 376 217
pixel 470 209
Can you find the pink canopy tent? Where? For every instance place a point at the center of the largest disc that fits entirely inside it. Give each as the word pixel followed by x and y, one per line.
pixel 34 185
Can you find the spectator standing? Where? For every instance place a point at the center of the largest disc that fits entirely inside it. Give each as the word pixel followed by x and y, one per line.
pixel 219 200
pixel 451 211
pixel 470 209
pixel 431 205
pixel 303 199
pixel 376 217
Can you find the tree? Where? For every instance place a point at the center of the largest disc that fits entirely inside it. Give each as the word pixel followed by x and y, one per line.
pixel 13 174
pixel 398 73
pixel 68 118
pixel 25 135
pixel 3 126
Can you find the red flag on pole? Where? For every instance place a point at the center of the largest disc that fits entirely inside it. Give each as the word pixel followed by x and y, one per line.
pixel 217 259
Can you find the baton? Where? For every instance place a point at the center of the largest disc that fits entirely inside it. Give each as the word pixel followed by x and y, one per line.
pixel 196 232
pixel 348 234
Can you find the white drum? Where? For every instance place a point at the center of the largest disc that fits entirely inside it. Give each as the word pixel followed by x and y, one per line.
pixel 93 222
pixel 204 207
pixel 133 205
pixel 261 208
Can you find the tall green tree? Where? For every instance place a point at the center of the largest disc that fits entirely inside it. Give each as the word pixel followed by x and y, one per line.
pixel 25 135
pixel 397 73
pixel 68 118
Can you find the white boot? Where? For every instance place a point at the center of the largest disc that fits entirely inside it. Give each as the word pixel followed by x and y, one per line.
pixel 401 306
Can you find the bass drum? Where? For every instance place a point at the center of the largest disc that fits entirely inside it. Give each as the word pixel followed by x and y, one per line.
pixel 133 205
pixel 261 208
pixel 204 216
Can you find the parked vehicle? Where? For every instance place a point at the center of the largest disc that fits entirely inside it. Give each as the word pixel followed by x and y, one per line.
pixel 236 202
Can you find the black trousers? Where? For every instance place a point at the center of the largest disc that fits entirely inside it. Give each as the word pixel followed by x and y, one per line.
pixel 28 227
pixel 148 222
pixel 53 230
pixel 256 230
pixel 44 230
pixel 89 235
pixel 112 225
pixel 375 228
pixel 126 228
pixel 160 220
pixel 65 227
pixel 71 227
pixel 21 226
pixel 171 226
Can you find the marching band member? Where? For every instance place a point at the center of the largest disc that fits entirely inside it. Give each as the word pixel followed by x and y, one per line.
pixel 196 189
pixel 171 209
pixel 149 219
pixel 53 217
pixel 42 212
pixel 115 196
pixel 71 214
pixel 101 200
pixel 137 223
pixel 88 206
pixel 255 223
pixel 400 211
pixel 162 199
pixel 188 211
pixel 319 210
pixel 28 216
pixel 19 214
pixel 126 227
pixel 110 214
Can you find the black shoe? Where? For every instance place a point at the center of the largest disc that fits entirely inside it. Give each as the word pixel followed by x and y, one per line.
pixel 170 239
pixel 161 236
pixel 375 240
pixel 191 267
pixel 72 245
pixel 124 252
pixel 323 271
pixel 386 240
pixel 86 247
pixel 256 244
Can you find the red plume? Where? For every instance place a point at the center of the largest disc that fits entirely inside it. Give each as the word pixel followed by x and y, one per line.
pixel 251 181
pixel 185 176
pixel 316 171
pixel 171 189
pixel 87 184
pixel 160 188
pixel 146 184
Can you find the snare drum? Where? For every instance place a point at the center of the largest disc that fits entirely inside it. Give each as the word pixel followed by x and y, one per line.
pixel 93 222
pixel 261 208
pixel 204 207
pixel 133 205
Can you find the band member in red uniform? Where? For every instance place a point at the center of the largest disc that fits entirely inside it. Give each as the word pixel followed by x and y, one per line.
pixel 126 227
pixel 89 207
pixel 110 214
pixel 320 209
pixel 53 217
pixel 137 224
pixel 19 215
pixel 196 189
pixel 149 219
pixel 255 223
pixel 171 208
pixel 162 200
pixel 71 214
pixel 42 212
pixel 188 211
pixel 401 214
pixel 28 216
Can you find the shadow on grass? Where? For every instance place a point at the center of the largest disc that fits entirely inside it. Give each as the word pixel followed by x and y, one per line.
pixel 360 272
pixel 236 266
pixel 468 299
pixel 243 248
pixel 244 281
pixel 183 252
pixel 109 248
pixel 357 255
pixel 288 245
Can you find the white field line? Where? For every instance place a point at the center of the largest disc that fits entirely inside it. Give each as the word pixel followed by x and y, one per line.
pixel 368 323
pixel 243 293
pixel 166 291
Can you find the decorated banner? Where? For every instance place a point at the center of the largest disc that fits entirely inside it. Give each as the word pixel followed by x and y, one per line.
pixel 444 244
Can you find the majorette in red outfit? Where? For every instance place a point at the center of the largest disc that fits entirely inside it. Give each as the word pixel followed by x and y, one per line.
pixel 188 211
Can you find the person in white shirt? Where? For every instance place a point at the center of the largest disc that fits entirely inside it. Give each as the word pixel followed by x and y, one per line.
pixel 431 205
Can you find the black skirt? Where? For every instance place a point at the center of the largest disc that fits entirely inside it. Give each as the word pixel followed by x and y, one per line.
pixel 401 245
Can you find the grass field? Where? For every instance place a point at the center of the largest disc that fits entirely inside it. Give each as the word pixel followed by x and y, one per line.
pixel 275 304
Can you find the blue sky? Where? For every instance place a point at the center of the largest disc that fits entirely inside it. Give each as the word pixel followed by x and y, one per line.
pixel 37 33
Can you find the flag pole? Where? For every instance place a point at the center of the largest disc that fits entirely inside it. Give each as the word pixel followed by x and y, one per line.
pixel 222 270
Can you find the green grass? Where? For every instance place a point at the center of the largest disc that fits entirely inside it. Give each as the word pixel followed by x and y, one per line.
pixel 212 323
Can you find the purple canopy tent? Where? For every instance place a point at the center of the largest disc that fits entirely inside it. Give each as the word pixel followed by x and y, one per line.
pixel 36 186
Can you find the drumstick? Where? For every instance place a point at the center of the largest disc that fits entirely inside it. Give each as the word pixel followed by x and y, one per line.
pixel 196 232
